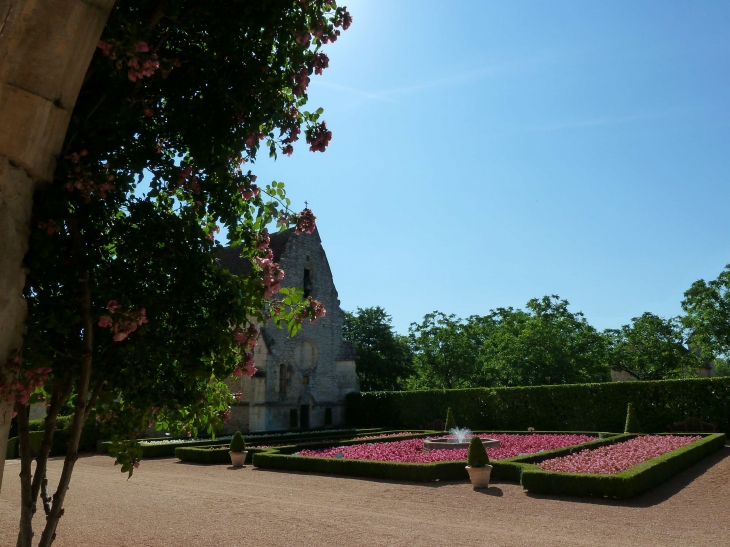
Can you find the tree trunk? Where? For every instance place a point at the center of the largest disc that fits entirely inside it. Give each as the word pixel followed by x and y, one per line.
pixel 80 414
pixel 27 507
pixel 6 413
pixel 45 50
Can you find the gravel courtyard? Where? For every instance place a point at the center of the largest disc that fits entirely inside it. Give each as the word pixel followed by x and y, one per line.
pixel 168 503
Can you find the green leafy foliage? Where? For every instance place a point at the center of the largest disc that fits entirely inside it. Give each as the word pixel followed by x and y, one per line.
pixel 580 407
pixel 445 352
pixel 384 358
pixel 477 454
pixel 651 348
pixel 238 444
pixel 450 421
pixel 707 308
pixel 632 422
pixel 546 344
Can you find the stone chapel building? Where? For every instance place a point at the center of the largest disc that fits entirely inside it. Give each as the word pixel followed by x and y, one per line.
pixel 301 382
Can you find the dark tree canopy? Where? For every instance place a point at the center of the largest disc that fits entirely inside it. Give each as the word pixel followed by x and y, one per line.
pixel 384 358
pixel 651 348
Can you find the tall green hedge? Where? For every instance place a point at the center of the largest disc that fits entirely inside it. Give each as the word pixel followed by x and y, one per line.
pixel 90 435
pixel 586 407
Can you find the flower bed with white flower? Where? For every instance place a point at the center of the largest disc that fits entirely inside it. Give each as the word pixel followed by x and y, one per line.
pixel 607 460
pixel 411 451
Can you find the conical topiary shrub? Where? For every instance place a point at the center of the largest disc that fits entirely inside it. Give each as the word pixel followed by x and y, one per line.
pixel 632 423
pixel 238 444
pixel 450 422
pixel 477 453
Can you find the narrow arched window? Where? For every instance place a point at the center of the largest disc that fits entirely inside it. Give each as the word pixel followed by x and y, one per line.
pixel 307 284
pixel 282 379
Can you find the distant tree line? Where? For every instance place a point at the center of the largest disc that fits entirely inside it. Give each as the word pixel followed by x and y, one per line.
pixel 543 344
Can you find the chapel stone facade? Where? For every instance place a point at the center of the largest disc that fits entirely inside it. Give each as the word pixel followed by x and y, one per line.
pixel 301 382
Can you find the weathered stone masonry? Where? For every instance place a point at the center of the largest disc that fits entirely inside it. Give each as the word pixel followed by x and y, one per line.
pixel 298 378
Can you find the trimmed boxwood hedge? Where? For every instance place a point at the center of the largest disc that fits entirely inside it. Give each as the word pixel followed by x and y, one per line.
pixel 591 407
pixel 626 484
pixel 12 450
pixel 211 454
pixel 89 437
pixel 167 449
pixel 36 438
pixel 453 470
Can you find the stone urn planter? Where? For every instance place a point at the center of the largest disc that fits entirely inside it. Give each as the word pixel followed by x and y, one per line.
pixel 479 476
pixel 478 464
pixel 238 450
pixel 238 459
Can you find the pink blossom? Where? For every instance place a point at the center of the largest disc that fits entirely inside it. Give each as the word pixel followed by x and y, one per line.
pixel 263 240
pixel 321 61
pixel 141 47
pixel 118 337
pixel 305 222
pixel 318 137
pixel 411 451
pixel 301 82
pixel 105 47
pixel 105 321
pixel 614 458
pixel 303 37
pixel 149 112
pixel 113 306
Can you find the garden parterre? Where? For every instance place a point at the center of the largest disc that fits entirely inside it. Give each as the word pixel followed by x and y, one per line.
pixel 617 457
pixel 411 451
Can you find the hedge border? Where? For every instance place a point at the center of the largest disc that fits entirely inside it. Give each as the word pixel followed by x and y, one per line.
pixel 214 454
pixel 167 450
pixel 624 485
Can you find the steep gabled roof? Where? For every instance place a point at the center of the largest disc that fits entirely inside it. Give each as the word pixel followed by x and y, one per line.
pixel 230 257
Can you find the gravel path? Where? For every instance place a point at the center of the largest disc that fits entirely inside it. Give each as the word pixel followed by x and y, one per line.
pixel 168 503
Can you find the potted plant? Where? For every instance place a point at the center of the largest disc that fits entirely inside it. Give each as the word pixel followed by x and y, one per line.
pixel 479 469
pixel 238 450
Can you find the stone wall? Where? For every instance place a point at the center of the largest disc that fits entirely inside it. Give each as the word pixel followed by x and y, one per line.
pixel 310 357
pixel 45 50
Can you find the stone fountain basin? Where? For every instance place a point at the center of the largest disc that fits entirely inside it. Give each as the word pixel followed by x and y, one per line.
pixel 444 443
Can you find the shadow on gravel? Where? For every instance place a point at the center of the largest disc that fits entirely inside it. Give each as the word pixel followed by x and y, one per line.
pixel 491 491
pixel 658 495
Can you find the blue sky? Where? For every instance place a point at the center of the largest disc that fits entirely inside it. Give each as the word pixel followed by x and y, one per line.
pixel 486 153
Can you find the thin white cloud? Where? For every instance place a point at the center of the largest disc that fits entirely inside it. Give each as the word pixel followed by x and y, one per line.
pixel 579 124
pixel 392 95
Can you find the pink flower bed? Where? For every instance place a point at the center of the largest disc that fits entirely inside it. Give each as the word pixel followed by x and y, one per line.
pixel 614 458
pixel 385 435
pixel 411 451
